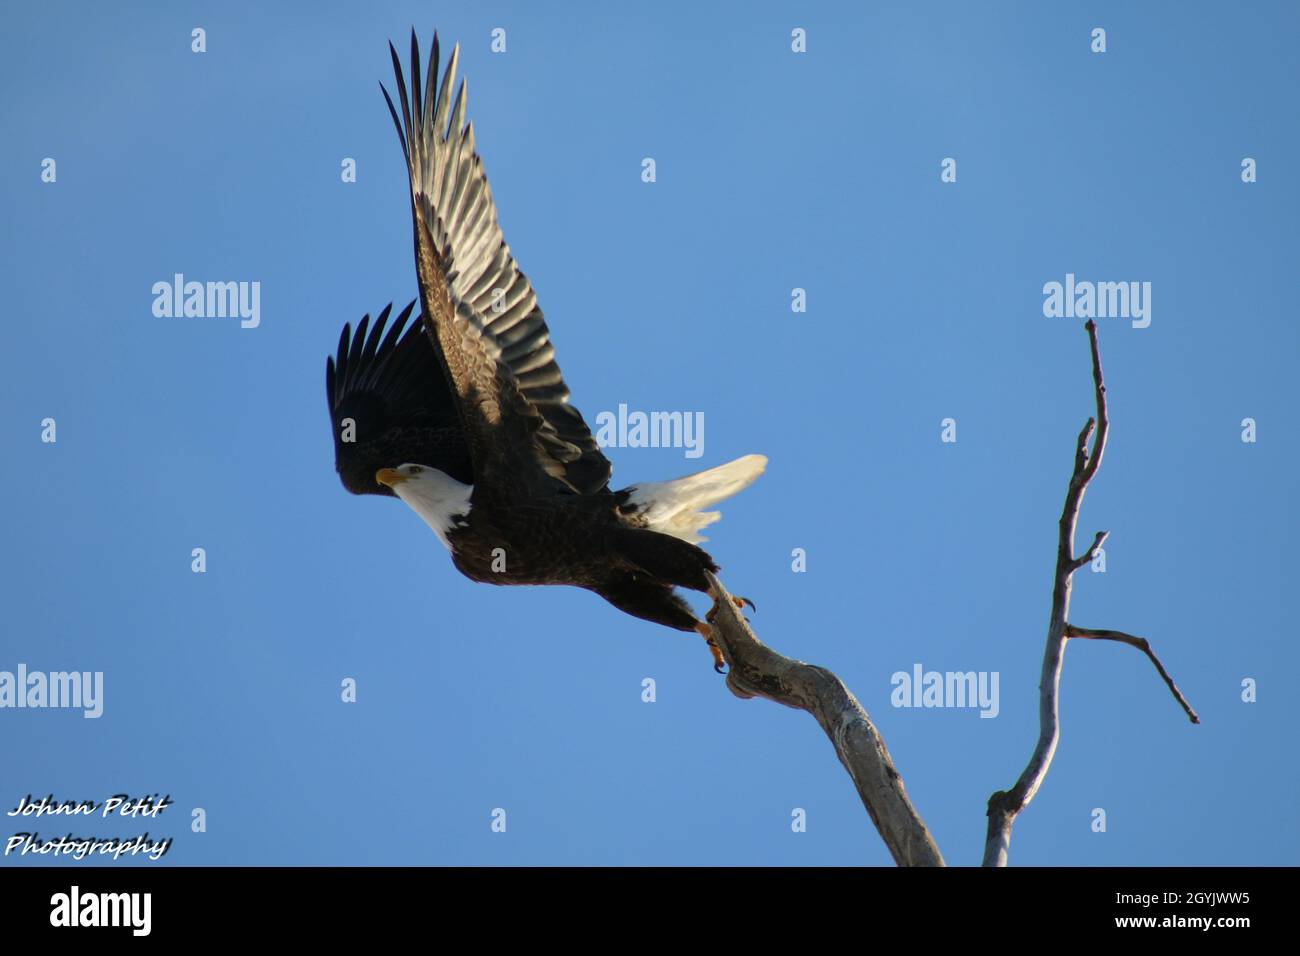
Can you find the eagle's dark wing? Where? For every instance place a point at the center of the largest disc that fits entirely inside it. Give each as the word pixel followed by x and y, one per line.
pixel 390 405
pixel 480 310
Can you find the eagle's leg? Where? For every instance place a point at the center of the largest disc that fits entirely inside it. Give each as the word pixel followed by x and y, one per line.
pixel 706 632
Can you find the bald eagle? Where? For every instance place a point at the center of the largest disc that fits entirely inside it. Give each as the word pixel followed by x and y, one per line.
pixel 463 413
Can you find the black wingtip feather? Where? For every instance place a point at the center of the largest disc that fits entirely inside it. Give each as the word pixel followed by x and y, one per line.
pixel 392 111
pixel 358 343
pixel 372 343
pixel 365 357
pixel 395 332
pixel 415 78
pixel 401 90
pixel 343 348
pixel 430 84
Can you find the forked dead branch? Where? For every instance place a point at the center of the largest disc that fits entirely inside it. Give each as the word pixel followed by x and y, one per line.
pixel 755 670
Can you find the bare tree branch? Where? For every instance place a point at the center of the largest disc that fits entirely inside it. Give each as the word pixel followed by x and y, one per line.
pixel 1097 542
pixel 1005 806
pixel 1143 645
pixel 755 670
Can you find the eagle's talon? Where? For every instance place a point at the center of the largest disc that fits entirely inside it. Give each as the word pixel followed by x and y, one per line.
pixel 742 601
pixel 706 632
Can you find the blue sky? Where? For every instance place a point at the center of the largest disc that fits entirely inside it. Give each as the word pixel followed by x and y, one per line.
pixel 775 170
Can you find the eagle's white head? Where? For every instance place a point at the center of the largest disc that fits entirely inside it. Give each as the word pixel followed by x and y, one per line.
pixel 435 496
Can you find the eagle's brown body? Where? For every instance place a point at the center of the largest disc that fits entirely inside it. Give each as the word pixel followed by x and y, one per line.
pixel 582 541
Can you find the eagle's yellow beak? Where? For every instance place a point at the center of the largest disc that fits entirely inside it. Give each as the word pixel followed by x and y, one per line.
pixel 390 477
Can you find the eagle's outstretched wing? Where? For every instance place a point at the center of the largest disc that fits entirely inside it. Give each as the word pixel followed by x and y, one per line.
pixel 479 309
pixel 390 404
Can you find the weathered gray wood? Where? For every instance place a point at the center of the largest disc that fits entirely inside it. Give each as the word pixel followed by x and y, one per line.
pixel 1143 645
pixel 1005 806
pixel 755 670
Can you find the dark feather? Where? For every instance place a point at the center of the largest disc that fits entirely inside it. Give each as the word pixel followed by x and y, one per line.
pixel 480 309
pixel 393 391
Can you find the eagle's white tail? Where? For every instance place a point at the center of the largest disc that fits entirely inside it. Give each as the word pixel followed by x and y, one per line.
pixel 677 507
